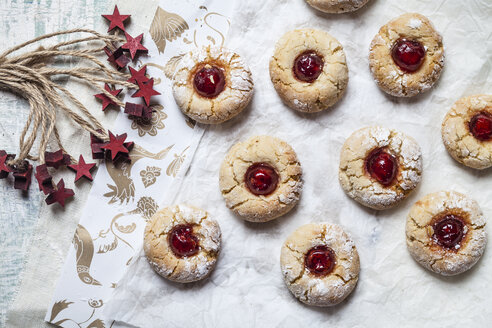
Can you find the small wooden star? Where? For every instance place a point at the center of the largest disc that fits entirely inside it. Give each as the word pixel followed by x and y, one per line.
pixel 117 58
pixel 45 180
pixel 82 169
pixel 56 159
pixel 138 110
pixel 138 76
pixel 146 90
pixel 116 144
pixel 116 19
pixel 22 176
pixel 134 44
pixel 105 99
pixel 60 194
pixel 4 168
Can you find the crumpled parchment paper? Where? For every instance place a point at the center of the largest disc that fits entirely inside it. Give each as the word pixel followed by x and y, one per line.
pixel 246 289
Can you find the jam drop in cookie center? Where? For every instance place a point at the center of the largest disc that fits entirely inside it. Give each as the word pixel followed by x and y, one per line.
pixel 408 55
pixel 320 260
pixel 382 166
pixel 449 231
pixel 183 241
pixel 308 66
pixel 481 126
pixel 209 82
pixel 261 179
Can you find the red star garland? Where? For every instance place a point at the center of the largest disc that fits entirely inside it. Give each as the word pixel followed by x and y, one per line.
pixel 134 44
pixel 116 144
pixel 105 99
pixel 116 19
pixel 146 90
pixel 138 76
pixel 59 195
pixel 4 169
pixel 83 169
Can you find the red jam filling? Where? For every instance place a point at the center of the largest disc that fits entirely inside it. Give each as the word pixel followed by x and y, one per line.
pixel 408 55
pixel 382 166
pixel 209 81
pixel 449 231
pixel 308 66
pixel 182 241
pixel 320 260
pixel 261 179
pixel 481 126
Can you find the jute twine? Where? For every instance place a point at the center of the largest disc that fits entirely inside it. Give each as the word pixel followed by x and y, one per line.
pixel 30 76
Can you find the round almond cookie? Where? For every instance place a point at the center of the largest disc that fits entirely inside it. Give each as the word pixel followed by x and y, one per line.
pixel 212 85
pixel 445 232
pixel 260 178
pixel 379 167
pixel 182 243
pixel 337 6
pixel 308 70
pixel 467 131
pixel 406 56
pixel 320 264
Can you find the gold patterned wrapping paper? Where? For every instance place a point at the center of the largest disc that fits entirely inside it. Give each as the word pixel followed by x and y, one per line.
pixel 123 198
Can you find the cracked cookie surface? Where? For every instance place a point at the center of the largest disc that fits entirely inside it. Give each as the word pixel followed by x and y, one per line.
pixel 312 289
pixel 260 149
pixel 337 6
pixel 424 248
pixel 328 87
pixel 456 135
pixel 237 92
pixel 387 74
pixel 358 183
pixel 158 250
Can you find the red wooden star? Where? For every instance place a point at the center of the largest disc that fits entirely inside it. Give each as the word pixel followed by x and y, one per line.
pixel 96 144
pixel 60 194
pixel 4 168
pixel 116 144
pixel 56 159
pixel 146 90
pixel 134 44
pixel 44 178
pixel 116 19
pixel 117 57
pixel 83 169
pixel 22 176
pixel 138 76
pixel 138 110
pixel 105 99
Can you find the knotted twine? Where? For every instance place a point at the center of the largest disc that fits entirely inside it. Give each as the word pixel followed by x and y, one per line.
pixel 29 75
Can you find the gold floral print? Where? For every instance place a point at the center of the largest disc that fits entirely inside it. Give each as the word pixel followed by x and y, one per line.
pixel 150 126
pixel 95 303
pixel 175 165
pixel 149 175
pixel 147 207
pixel 166 26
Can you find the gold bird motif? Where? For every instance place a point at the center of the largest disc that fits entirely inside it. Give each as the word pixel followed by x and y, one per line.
pixel 84 248
pixel 123 189
pixel 166 26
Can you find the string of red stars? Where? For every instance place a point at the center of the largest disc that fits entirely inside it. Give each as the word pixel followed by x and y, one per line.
pixel 115 149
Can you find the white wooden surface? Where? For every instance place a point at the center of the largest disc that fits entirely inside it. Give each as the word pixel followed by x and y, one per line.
pixel 21 20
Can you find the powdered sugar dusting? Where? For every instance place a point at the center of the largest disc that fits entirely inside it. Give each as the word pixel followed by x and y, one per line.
pixel 415 23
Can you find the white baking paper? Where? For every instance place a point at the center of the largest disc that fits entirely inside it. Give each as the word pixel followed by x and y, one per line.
pixel 246 289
